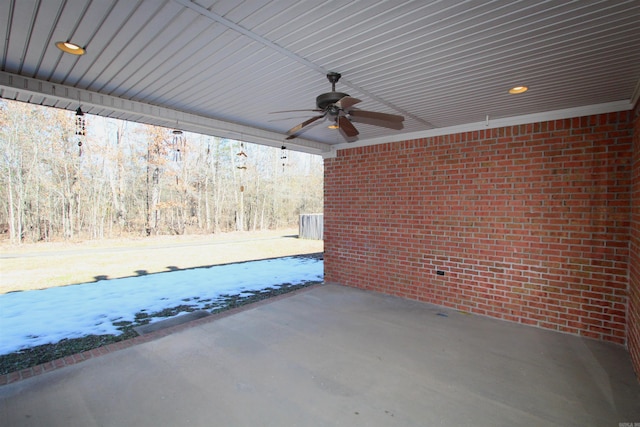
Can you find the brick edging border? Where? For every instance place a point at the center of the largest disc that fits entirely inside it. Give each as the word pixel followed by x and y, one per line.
pixel 74 359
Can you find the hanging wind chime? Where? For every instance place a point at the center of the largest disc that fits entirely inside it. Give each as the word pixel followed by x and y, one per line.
pixel 284 155
pixel 242 164
pixel 81 128
pixel 178 143
pixel 243 157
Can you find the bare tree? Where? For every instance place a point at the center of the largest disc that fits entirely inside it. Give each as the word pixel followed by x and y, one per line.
pixel 132 178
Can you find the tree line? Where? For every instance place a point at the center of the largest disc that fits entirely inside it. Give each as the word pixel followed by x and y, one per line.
pixel 66 177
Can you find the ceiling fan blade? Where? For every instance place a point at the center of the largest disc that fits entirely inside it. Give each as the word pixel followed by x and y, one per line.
pixel 297 117
pixel 295 111
pixel 347 102
pixel 376 116
pixel 380 123
pixel 348 129
pixel 299 127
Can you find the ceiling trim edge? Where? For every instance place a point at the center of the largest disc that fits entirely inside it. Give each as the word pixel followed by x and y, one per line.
pixel 164 116
pixel 567 113
pixel 636 94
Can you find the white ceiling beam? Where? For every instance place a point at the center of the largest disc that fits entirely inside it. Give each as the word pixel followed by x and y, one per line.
pixel 157 115
pixel 291 55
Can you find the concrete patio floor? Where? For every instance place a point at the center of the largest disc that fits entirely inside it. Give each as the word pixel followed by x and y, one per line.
pixel 336 356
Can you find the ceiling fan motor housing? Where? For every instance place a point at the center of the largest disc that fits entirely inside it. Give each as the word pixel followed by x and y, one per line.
pixel 326 99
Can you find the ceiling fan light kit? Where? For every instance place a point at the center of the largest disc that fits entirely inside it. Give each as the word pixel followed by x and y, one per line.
pixel 338 106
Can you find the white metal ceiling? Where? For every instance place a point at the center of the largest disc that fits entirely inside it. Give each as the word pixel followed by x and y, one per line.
pixel 222 67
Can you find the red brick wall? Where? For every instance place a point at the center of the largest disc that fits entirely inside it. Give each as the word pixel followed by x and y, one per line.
pixel 528 223
pixel 633 313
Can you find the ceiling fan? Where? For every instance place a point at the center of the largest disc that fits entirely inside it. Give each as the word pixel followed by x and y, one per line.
pixel 338 107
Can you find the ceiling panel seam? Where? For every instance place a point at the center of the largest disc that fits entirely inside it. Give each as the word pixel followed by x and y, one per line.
pixel 107 84
pixel 106 42
pixel 116 37
pixel 30 34
pixel 5 49
pixel 36 68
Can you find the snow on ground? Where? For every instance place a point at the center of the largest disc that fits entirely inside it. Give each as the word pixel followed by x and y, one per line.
pixel 32 318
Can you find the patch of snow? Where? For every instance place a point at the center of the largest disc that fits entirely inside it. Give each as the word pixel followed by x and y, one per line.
pixel 32 318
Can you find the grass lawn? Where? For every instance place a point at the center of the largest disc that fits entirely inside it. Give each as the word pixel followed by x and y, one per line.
pixel 43 265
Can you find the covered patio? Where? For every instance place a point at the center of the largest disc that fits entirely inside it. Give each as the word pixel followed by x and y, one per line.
pixel 521 209
pixel 333 355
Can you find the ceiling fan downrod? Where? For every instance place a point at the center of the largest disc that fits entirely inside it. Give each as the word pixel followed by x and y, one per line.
pixel 333 78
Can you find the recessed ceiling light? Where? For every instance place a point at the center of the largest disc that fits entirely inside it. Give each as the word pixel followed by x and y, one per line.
pixel 518 89
pixel 71 48
pixel 333 126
